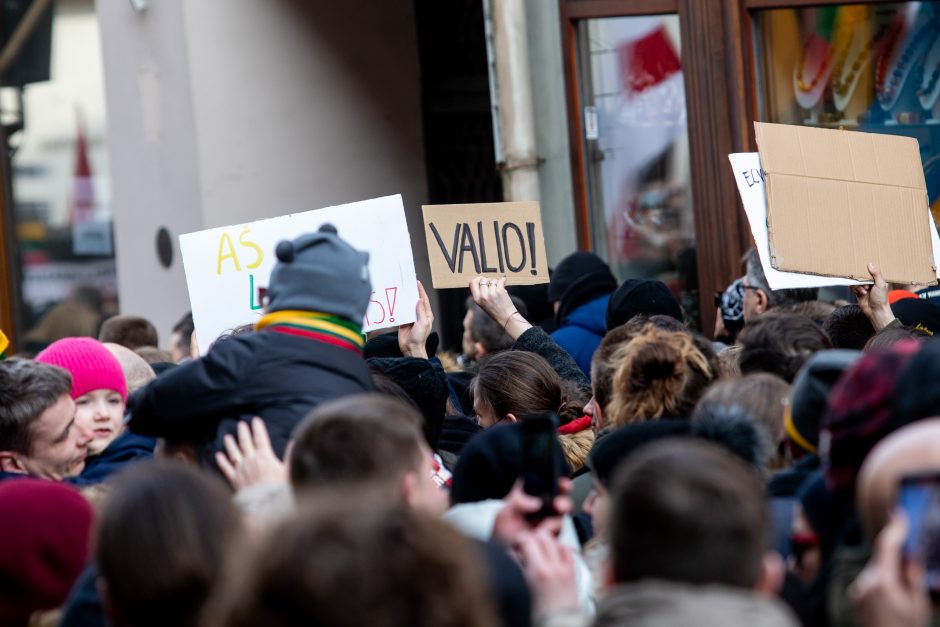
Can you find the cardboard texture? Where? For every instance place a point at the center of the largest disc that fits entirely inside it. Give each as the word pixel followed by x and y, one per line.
pixel 489 239
pixel 837 200
pixel 750 181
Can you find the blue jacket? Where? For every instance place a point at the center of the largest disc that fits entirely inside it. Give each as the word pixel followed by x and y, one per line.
pixel 582 330
pixel 126 448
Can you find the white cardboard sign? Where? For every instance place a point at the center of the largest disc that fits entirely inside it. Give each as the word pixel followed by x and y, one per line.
pixel 225 266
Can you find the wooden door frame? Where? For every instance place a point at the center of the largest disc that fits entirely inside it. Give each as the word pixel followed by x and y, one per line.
pixel 710 59
pixel 721 99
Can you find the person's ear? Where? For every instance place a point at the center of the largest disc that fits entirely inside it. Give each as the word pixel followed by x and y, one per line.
pixel 409 489
pixel 763 303
pixel 10 462
pixel 511 418
pixel 772 573
pixel 479 351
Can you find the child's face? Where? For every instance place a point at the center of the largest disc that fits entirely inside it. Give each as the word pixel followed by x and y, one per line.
pixel 100 412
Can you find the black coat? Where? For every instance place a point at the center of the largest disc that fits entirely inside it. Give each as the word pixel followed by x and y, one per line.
pixel 275 376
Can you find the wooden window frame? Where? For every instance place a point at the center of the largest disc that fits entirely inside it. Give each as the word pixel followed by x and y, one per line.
pixel 721 100
pixel 719 109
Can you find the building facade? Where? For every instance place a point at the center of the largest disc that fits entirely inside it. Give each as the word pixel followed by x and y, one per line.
pixel 162 118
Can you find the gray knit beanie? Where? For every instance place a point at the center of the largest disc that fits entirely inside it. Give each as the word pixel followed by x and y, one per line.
pixel 321 272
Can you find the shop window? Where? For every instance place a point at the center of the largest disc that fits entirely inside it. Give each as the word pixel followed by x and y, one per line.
pixel 60 180
pixel 637 150
pixel 871 67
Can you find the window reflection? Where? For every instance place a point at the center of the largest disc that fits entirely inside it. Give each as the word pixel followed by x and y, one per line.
pixel 637 150
pixel 873 67
pixel 60 185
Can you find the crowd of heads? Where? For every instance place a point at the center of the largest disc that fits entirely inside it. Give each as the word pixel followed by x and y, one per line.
pixel 297 471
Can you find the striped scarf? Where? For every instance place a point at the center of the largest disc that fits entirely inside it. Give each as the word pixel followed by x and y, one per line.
pixel 315 326
pixel 4 344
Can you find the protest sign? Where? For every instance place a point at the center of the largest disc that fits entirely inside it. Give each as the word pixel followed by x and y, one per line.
pixel 750 180
pixel 225 266
pixel 490 239
pixel 837 200
pixel 749 177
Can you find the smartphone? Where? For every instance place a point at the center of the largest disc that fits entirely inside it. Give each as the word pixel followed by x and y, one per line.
pixel 919 497
pixel 541 466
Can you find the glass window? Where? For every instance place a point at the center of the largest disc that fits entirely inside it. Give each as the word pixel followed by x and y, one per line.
pixel 637 150
pixel 871 67
pixel 60 174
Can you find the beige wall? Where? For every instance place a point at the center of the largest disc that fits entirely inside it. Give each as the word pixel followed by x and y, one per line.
pixel 252 109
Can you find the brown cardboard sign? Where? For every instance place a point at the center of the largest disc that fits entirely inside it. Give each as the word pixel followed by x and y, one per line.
pixel 494 240
pixel 837 200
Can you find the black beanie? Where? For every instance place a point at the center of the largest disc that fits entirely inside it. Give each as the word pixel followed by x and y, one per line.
pixel 917 394
pixel 641 296
pixel 386 345
pixel 616 446
pixel 424 384
pixel 811 388
pixel 579 279
pixel 491 463
pixel 918 314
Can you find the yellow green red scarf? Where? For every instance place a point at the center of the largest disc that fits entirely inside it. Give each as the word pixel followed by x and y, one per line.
pixel 4 344
pixel 315 326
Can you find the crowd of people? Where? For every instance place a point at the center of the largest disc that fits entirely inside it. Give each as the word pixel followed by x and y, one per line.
pixel 299 472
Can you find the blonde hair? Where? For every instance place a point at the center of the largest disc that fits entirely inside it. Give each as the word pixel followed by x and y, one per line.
pixel 658 374
pixel 576 447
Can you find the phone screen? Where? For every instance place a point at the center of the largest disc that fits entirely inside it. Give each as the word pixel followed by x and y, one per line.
pixel 919 497
pixel 539 460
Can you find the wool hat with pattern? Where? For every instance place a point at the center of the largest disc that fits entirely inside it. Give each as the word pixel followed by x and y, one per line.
pixel 860 413
pixel 45 530
pixel 90 363
pixel 321 272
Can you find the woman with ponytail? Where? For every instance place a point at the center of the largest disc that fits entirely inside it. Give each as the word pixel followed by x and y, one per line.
pixel 514 383
pixel 659 374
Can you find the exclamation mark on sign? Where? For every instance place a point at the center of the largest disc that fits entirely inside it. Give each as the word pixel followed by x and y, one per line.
pixel 391 300
pixel 530 228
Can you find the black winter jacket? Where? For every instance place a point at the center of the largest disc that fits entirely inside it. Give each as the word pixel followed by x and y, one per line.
pixel 275 376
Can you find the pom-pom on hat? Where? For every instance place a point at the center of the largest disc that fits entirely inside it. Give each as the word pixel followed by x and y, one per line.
pixel 91 365
pixel 320 272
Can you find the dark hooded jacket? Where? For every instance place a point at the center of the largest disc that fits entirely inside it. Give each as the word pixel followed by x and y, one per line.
pixel 276 376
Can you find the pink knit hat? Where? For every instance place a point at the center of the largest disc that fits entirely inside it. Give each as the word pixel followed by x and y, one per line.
pixel 91 365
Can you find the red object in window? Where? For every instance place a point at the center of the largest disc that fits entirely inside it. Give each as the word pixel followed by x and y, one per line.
pixel 83 196
pixel 648 61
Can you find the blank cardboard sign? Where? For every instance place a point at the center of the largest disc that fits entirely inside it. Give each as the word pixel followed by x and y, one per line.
pixel 837 200
pixel 487 239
